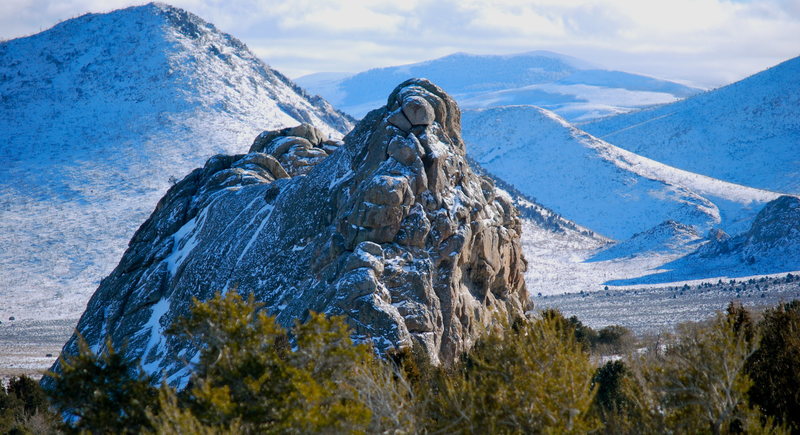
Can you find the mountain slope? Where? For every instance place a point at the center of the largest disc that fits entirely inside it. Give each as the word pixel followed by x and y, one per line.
pixel 597 185
pixel 769 246
pixel 568 86
pixel 747 132
pixel 98 115
pixel 392 230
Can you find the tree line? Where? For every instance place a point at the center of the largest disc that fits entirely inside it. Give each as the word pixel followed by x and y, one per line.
pixel 734 373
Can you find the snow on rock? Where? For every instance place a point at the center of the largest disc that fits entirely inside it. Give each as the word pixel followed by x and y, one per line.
pixel 598 185
pixel 393 230
pixel 568 86
pixel 98 115
pixel 747 132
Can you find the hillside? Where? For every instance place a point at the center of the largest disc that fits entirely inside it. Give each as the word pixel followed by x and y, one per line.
pixel 598 185
pixel 573 88
pixel 769 246
pixel 100 115
pixel 746 133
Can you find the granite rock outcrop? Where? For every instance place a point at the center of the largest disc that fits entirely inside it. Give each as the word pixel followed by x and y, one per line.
pixel 390 228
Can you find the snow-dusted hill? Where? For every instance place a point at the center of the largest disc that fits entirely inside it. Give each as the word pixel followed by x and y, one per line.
pixel 98 115
pixel 669 237
pixel 596 184
pixel 568 86
pixel 747 132
pixel 770 246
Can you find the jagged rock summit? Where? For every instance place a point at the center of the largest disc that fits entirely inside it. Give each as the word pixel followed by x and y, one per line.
pixel 390 228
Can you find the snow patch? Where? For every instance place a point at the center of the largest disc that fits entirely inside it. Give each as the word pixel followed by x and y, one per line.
pixel 156 344
pixel 185 239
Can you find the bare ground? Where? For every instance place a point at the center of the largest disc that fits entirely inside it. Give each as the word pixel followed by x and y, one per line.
pixel 30 347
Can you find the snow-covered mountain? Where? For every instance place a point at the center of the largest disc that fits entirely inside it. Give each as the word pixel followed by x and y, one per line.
pixel 747 132
pixel 99 115
pixel 598 185
pixel 575 89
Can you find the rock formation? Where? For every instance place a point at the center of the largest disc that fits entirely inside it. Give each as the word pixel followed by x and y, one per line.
pixel 390 228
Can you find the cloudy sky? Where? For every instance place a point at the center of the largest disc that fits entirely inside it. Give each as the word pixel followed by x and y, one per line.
pixel 702 42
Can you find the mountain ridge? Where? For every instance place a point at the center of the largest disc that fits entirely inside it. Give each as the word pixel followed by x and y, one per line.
pixel 101 112
pixel 596 184
pixel 746 132
pixel 569 86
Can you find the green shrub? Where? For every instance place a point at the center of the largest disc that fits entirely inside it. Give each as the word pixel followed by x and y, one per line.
pixel 253 376
pixel 249 375
pixel 741 321
pixel 532 378
pixel 608 383
pixel 24 408
pixel 583 334
pixel 614 340
pixel 693 382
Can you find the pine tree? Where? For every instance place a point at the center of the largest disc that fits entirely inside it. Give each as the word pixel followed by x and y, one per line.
pixel 106 393
pixel 24 408
pixel 775 365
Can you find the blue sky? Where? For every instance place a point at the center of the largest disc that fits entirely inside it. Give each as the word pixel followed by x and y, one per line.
pixel 701 42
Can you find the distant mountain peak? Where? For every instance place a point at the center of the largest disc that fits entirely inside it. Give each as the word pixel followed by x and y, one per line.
pixel 534 54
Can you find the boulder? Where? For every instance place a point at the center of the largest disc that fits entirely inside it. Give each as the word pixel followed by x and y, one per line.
pixel 418 111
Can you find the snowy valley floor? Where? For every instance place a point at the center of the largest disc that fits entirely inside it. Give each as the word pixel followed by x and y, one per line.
pixel 653 310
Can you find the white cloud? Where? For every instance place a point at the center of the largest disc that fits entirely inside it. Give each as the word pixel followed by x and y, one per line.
pixel 343 17
pixel 708 42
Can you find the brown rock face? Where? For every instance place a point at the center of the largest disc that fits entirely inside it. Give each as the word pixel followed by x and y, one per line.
pixel 391 229
pixel 450 244
pixel 417 110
